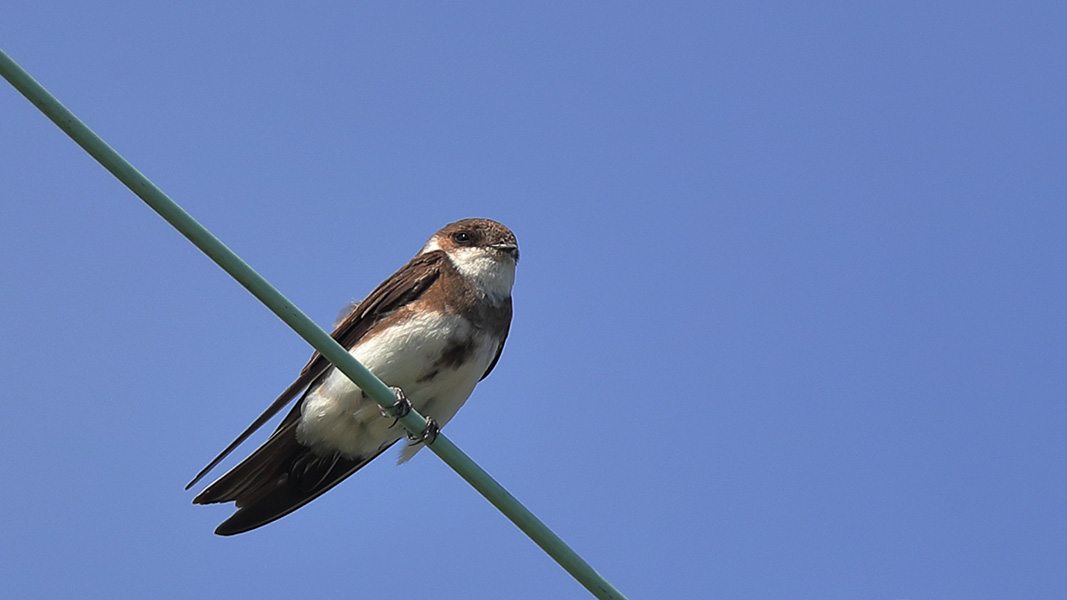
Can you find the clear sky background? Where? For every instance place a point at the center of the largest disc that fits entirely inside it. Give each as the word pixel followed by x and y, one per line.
pixel 789 321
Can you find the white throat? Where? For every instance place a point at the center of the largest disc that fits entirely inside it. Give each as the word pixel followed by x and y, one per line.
pixel 492 275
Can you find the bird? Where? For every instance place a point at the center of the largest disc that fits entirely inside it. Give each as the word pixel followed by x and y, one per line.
pixel 432 330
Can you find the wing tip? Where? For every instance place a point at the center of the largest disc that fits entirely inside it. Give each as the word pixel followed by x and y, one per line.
pixel 225 529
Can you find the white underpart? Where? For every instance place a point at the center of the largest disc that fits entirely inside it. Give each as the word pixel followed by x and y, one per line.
pixel 337 417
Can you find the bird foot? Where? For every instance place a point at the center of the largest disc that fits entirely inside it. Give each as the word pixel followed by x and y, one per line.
pixel 398 410
pixel 428 435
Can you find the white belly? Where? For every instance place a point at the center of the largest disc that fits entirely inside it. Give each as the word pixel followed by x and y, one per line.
pixel 337 417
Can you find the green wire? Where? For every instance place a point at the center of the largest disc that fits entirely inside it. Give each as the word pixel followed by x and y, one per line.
pixel 304 326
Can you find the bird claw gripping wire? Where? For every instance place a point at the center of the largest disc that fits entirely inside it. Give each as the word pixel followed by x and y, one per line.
pixel 428 435
pixel 398 410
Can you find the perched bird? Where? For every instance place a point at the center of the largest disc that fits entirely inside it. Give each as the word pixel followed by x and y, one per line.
pixel 434 329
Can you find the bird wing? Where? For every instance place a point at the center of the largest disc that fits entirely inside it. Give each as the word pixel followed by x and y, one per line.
pixel 500 349
pixel 279 477
pixel 401 288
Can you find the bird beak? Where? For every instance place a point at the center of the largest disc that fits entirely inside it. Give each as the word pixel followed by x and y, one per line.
pixel 509 249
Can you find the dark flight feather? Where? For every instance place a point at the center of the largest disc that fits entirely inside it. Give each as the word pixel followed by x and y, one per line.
pixel 504 338
pixel 279 477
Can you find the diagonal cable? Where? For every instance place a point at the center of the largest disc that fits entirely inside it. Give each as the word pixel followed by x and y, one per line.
pixel 304 326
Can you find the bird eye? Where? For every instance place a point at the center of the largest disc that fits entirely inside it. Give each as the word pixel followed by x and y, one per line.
pixel 461 236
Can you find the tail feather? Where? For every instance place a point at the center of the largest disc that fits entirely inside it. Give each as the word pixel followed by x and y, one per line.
pixel 279 477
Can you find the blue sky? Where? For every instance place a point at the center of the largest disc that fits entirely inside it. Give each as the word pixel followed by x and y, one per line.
pixel 789 323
